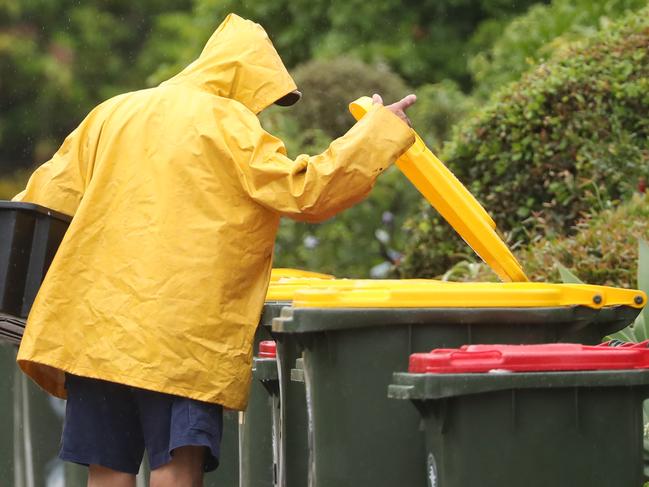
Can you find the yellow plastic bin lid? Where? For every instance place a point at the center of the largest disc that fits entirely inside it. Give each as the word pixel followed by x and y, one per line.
pixel 284 273
pixel 609 296
pixel 454 202
pixel 469 295
pixel 284 289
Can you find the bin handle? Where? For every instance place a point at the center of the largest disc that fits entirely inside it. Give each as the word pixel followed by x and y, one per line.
pixel 471 358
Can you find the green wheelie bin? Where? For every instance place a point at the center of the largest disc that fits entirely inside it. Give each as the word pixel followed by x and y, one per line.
pixel 259 427
pixel 11 452
pixel 235 454
pixel 260 454
pixel 291 440
pixel 353 340
pixel 293 424
pixel 559 415
pixel 231 465
pixel 31 423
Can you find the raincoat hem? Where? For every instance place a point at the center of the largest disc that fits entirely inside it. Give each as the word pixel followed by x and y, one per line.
pixel 138 382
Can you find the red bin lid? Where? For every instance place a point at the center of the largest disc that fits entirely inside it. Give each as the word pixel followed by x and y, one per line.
pixel 529 358
pixel 267 349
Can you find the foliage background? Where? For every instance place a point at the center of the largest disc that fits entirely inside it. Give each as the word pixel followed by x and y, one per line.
pixel 570 137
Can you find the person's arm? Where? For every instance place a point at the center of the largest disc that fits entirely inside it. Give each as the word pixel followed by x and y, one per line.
pixel 315 188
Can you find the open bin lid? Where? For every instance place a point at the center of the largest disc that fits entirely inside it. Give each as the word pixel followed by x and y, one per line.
pixel 454 202
pixel 529 358
pixel 468 295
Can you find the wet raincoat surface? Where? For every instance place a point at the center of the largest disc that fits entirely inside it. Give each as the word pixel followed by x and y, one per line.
pixel 177 193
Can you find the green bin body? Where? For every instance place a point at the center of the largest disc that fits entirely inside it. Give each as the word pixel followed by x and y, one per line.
pixel 232 465
pixel 260 427
pixel 292 447
pixel 227 473
pixel 357 436
pixel 559 429
pixel 31 423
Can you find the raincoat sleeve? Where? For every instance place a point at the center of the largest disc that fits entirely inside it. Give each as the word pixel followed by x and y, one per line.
pixel 59 183
pixel 314 188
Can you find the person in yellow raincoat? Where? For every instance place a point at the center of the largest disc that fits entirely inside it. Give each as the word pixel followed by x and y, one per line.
pixel 176 194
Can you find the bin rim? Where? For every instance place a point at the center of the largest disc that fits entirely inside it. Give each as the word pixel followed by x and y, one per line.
pixel 264 369
pixel 313 320
pixel 423 387
pixel 36 208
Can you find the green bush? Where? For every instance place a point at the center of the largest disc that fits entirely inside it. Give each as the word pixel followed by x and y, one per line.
pixel 58 58
pixel 329 85
pixel 424 41
pixel 13 184
pixel 439 107
pixel 534 36
pixel 603 249
pixel 571 137
pixel 347 245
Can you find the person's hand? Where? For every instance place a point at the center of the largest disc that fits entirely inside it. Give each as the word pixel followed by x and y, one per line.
pixel 399 108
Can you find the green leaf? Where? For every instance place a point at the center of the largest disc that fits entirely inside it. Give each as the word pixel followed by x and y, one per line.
pixel 624 335
pixel 643 265
pixel 639 329
pixel 643 282
pixel 567 276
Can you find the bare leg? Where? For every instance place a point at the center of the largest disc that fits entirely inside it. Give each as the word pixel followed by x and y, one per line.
pixel 184 470
pixel 99 476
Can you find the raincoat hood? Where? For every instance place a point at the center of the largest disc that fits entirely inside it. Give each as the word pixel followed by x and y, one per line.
pixel 239 62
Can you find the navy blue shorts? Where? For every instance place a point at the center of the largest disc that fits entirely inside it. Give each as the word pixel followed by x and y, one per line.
pixel 111 424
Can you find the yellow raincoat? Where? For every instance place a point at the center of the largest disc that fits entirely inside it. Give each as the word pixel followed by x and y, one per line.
pixel 177 193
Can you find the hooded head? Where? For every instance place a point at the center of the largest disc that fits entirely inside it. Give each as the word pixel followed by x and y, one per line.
pixel 240 62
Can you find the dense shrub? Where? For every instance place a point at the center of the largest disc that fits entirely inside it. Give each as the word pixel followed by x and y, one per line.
pixel 534 36
pixel 58 58
pixel 603 249
pixel 570 137
pixel 424 41
pixel 13 184
pixel 329 85
pixel 439 107
pixel 347 245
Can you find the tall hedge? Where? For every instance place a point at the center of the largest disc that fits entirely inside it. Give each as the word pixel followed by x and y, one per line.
pixel 604 249
pixel 329 85
pixel 533 36
pixel 571 136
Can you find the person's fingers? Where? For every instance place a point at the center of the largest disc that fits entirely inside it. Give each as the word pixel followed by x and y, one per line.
pixel 406 102
pixel 376 98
